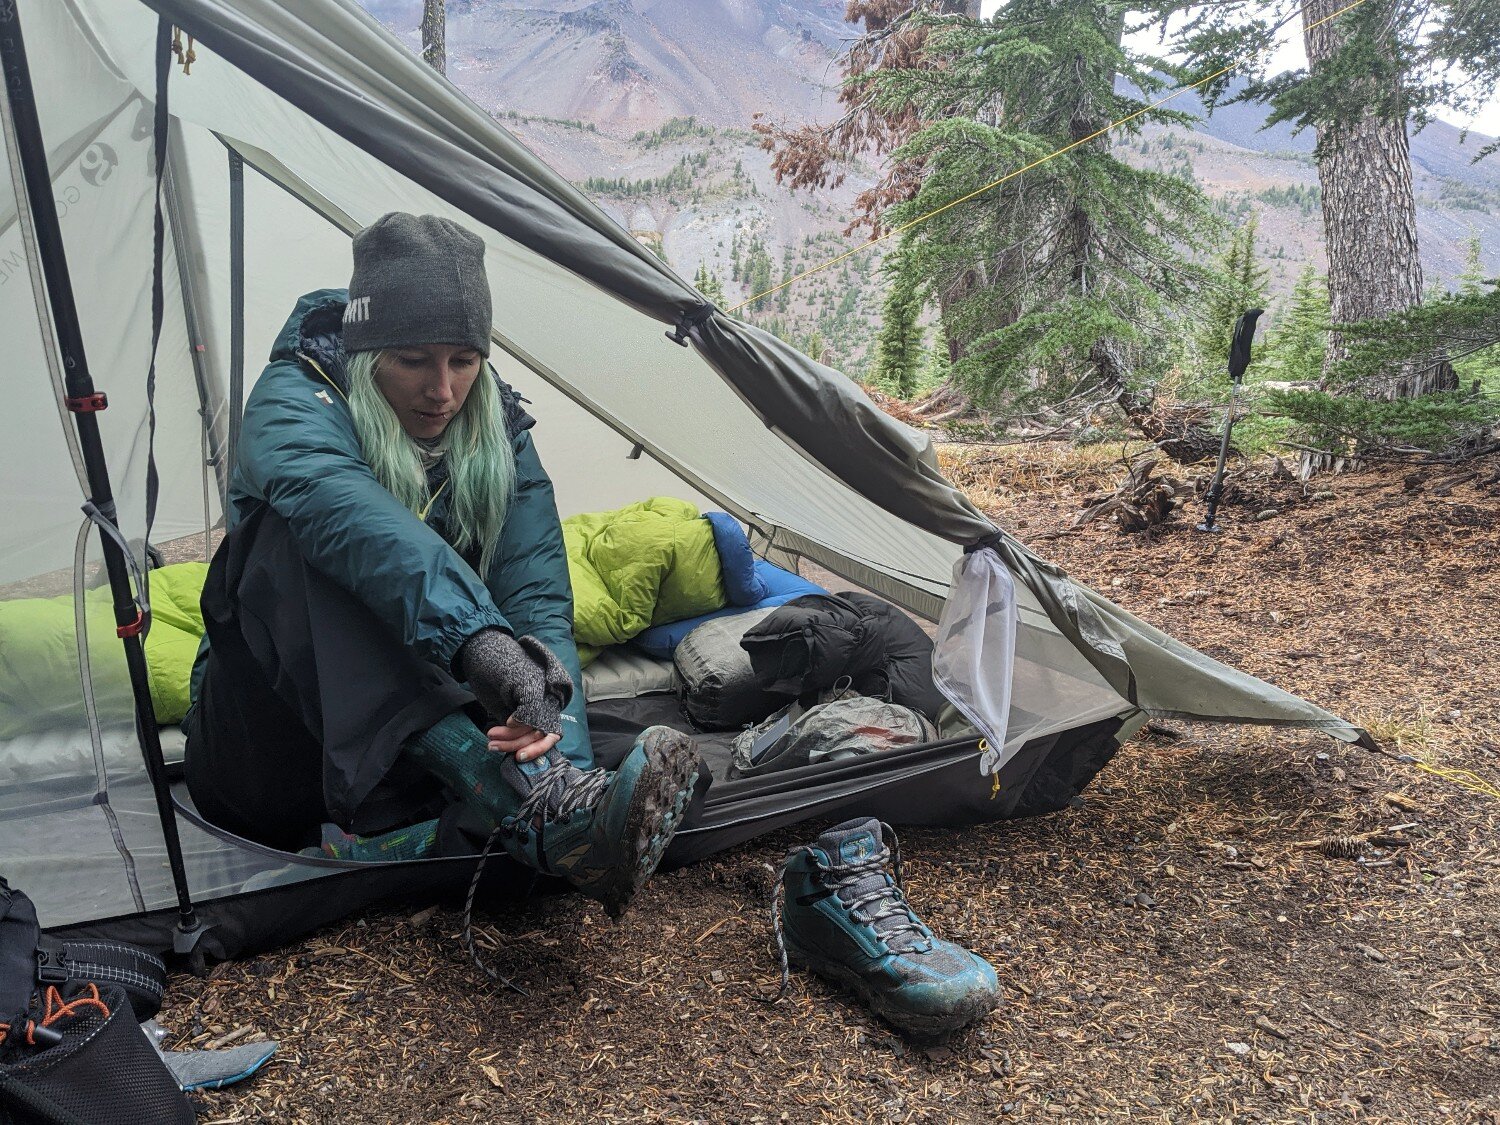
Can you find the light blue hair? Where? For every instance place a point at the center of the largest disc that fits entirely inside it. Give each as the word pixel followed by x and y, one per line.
pixel 481 462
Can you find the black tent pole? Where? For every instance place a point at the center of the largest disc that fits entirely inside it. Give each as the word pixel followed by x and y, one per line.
pixel 84 401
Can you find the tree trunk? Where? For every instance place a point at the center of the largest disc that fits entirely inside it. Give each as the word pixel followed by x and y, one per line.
pixel 435 35
pixel 1369 219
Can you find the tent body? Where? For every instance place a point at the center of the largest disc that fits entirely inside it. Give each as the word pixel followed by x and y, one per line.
pixel 296 126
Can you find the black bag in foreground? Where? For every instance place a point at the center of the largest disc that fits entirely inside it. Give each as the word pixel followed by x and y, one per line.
pixel 103 1071
pixel 71 1050
pixel 29 960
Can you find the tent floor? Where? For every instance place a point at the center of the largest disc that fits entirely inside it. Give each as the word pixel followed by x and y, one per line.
pixel 936 784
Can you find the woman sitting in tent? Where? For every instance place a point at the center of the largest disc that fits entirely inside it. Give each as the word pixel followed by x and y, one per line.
pixel 394 571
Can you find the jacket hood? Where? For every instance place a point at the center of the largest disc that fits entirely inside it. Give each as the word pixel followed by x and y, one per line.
pixel 316 329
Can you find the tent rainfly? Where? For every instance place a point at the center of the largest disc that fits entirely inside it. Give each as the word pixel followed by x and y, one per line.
pixel 294 126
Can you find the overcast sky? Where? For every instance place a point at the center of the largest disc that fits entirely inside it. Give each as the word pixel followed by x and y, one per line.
pixel 1291 56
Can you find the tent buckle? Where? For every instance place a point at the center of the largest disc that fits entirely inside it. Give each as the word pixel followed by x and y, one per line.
pixel 689 320
pixel 87 404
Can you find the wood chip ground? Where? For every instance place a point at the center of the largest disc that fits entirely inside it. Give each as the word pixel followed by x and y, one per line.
pixel 1170 951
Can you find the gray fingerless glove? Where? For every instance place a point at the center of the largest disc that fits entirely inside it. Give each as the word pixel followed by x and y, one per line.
pixel 516 677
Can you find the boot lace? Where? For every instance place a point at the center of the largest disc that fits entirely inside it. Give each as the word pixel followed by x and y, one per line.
pixel 561 791
pixel 884 906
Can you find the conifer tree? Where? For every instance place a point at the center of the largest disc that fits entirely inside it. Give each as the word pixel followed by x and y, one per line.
pixel 1299 336
pixel 899 355
pixel 1072 273
pixel 707 282
pixel 1241 285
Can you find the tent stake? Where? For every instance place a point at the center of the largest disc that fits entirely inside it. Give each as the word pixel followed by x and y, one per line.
pixel 85 402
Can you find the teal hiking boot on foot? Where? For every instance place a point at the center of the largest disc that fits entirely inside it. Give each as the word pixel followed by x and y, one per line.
pixel 603 832
pixel 847 919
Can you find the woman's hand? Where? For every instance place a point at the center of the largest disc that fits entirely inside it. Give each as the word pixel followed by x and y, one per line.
pixel 525 742
pixel 518 677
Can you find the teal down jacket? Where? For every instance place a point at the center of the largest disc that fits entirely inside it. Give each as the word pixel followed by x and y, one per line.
pixel 299 454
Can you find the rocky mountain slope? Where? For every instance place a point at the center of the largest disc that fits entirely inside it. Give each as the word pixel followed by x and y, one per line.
pixel 603 91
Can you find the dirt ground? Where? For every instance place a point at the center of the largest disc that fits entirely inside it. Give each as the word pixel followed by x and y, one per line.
pixel 1173 950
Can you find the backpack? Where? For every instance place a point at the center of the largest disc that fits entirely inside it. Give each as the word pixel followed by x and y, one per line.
pixel 30 959
pixel 72 1052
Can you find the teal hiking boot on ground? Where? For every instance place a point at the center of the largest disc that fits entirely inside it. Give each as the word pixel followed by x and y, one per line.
pixel 603 832
pixel 847 919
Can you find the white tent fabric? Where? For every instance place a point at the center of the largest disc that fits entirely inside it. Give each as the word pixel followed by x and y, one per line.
pixel 338 124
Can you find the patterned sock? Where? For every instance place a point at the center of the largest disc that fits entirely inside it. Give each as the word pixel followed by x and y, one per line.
pixel 458 754
pixel 415 841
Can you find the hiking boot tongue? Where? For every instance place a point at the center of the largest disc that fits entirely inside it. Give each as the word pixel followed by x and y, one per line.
pixel 851 845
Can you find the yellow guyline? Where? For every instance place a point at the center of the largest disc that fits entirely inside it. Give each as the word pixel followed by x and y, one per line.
pixel 1034 164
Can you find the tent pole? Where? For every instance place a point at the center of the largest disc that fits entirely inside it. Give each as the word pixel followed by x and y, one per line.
pixel 85 402
pixel 236 310
pixel 185 251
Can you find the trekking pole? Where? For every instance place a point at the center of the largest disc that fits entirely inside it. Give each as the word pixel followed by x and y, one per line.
pixel 1239 359
pixel 85 401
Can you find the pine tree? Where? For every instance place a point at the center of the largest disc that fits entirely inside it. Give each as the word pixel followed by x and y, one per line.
pixel 1299 339
pixel 783 298
pixel 898 354
pixel 1241 285
pixel 707 282
pixel 1074 271
pixel 814 347
pixel 759 271
pixel 1471 281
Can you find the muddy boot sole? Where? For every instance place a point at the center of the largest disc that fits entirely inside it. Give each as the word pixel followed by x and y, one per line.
pixel 660 801
pixel 918 1025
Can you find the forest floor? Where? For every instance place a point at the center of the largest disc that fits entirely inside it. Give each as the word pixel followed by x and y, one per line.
pixel 1168 951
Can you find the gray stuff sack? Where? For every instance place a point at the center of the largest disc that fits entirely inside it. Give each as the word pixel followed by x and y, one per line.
pixel 847 726
pixel 719 690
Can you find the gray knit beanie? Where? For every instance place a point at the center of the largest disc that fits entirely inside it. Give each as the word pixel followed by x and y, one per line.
pixel 418 279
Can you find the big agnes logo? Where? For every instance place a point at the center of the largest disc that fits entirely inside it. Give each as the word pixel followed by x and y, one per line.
pixel 98 163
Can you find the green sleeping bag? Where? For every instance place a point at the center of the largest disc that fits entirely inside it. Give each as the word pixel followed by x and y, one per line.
pixel 631 568
pixel 40 683
pixel 639 566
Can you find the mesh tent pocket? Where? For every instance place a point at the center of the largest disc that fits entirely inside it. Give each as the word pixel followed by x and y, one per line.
pixel 974 658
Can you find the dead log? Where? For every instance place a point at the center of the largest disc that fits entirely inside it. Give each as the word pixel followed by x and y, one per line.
pixel 1176 434
pixel 1144 501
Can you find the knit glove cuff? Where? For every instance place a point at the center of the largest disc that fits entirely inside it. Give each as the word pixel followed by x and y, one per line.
pixel 516 678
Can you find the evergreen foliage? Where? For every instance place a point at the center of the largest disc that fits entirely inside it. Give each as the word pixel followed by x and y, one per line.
pixel 757 271
pixel 1446 423
pixel 707 282
pixel 679 178
pixel 1083 248
pixel 1397 59
pixel 899 346
pixel 1299 332
pixel 1241 285
pixel 1463 326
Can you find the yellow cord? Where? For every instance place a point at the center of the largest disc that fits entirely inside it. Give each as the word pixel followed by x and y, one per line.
pixel 422 515
pixel 1034 164
pixel 1467 779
